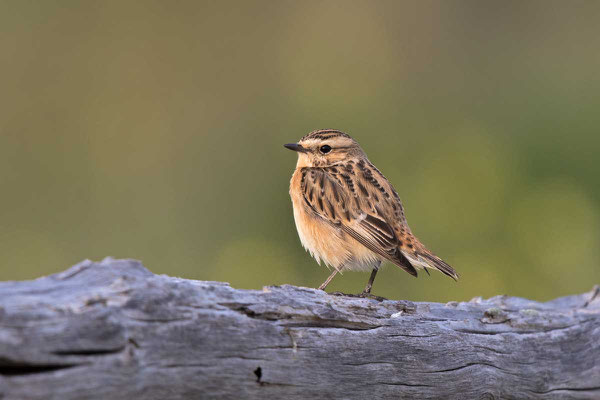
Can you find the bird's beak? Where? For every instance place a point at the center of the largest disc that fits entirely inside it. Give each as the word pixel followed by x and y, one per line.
pixel 295 147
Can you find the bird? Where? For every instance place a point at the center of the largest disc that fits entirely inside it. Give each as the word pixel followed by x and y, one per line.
pixel 348 215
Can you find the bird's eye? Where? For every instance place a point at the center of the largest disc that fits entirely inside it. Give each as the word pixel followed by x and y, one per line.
pixel 325 149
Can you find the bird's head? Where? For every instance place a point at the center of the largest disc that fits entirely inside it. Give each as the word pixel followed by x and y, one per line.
pixel 325 148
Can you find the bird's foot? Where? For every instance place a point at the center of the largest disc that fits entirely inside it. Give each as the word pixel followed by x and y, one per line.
pixel 362 295
pixel 368 295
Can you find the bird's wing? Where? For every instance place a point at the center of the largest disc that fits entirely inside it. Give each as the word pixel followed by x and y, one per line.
pixel 386 202
pixel 357 206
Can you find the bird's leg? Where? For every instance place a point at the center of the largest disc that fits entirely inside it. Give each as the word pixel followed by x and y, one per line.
pixel 367 291
pixel 371 280
pixel 324 284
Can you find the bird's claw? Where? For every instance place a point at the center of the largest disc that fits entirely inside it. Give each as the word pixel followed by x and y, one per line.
pixel 362 295
pixel 367 295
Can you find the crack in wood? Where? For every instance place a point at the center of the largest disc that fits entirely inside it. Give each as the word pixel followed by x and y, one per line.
pixel 88 352
pixel 16 368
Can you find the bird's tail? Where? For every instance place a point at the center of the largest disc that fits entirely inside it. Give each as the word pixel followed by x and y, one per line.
pixel 421 257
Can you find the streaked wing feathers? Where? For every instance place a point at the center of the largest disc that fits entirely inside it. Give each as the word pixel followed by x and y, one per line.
pixel 357 207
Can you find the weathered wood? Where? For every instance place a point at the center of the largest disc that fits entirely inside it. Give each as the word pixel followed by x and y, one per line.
pixel 114 330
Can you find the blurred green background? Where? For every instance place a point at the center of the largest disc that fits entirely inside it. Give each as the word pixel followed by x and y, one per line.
pixel 154 130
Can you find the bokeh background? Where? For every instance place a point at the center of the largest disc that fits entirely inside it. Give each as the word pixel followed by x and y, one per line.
pixel 154 130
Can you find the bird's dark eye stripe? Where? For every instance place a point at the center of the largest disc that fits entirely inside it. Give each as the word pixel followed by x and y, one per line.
pixel 325 149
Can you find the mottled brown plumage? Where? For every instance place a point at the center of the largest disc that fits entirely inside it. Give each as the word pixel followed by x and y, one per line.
pixel 348 214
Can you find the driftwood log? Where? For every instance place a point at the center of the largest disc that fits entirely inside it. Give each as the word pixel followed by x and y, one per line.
pixel 114 330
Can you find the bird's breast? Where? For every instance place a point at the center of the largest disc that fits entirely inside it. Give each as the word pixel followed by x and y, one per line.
pixel 323 240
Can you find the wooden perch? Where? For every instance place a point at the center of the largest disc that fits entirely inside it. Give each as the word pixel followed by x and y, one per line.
pixel 113 330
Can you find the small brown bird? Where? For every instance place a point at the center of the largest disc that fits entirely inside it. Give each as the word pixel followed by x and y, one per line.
pixel 348 214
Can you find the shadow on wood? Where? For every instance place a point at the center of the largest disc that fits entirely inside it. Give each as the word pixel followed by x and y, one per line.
pixel 114 330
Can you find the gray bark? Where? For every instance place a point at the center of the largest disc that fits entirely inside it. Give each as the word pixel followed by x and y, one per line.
pixel 114 330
